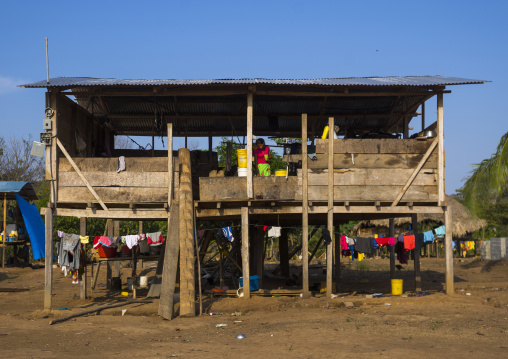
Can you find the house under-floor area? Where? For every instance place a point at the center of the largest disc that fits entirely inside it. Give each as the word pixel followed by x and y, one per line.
pixel 368 167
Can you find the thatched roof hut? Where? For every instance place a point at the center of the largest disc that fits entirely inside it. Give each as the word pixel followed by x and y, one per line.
pixel 463 221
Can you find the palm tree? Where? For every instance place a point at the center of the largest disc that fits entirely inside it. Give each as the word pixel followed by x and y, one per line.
pixel 489 178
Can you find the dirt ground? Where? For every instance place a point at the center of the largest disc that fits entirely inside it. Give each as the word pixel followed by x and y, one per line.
pixel 472 323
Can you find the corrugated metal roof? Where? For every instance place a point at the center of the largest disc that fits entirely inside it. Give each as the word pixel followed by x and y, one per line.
pixel 350 81
pixel 24 189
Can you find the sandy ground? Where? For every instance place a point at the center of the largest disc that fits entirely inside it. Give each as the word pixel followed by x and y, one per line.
pixel 472 323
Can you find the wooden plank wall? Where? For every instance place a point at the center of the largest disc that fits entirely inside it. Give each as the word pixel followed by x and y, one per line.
pixel 73 120
pixel 373 170
pixel 145 180
pixel 221 188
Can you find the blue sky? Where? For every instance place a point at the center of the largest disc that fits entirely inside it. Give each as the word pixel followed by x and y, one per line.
pixel 269 39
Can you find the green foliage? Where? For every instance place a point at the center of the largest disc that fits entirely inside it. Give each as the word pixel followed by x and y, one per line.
pixel 221 152
pixel 488 180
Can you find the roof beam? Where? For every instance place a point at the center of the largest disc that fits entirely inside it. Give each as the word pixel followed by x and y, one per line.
pixel 205 93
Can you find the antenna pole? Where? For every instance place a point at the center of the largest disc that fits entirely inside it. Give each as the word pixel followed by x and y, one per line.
pixel 47 62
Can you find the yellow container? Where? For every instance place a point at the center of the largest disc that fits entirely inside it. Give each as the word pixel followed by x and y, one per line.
pixel 242 157
pixel 280 173
pixel 325 133
pixel 397 286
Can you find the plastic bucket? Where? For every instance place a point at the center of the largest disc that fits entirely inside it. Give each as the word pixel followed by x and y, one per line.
pixel 397 285
pixel 143 281
pixel 280 173
pixel 242 157
pixel 242 172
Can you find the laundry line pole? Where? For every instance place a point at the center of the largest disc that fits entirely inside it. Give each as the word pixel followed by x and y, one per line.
pixel 4 238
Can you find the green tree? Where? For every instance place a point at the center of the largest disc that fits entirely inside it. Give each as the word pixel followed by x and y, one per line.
pixel 488 180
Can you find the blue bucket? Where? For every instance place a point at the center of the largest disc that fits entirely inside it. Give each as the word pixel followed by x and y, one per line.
pixel 254 282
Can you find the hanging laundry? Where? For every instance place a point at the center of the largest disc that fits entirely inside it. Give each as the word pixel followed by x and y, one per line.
pixel 121 164
pixel 391 241
pixel 440 231
pixel 360 256
pixel 60 233
pixel 400 238
pixel 343 242
pixel 69 251
pixel 106 241
pixel 96 242
pixel 132 240
pixel 155 238
pixel 409 242
pixel 84 239
pixel 428 237
pixel 350 241
pixel 363 245
pixel 419 241
pixel 327 238
pixel 274 232
pixel 402 254
pixel 382 241
pixel 228 234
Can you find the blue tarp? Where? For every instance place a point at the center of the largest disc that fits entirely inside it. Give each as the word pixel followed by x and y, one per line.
pixel 34 226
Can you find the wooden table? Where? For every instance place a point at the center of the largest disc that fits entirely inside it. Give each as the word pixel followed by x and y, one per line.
pixel 15 244
pixel 133 259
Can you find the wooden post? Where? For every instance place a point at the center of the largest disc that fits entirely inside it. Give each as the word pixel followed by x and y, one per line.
pixel 48 286
pixel 4 238
pixel 245 252
pixel 82 283
pixel 417 274
pixel 116 267
pixel 187 274
pixel 210 151
pixel 170 164
pixel 258 247
pixel 250 114
pixel 109 268
pixel 440 136
pixel 305 210
pixel 336 256
pixel 170 266
pixel 391 223
pixel 448 251
pixel 423 116
pixel 284 253
pixel 329 248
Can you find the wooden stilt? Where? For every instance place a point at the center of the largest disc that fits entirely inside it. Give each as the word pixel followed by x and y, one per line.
pixel 250 114
pixel 417 274
pixel 284 253
pixel 305 210
pixel 48 286
pixel 329 248
pixel 83 282
pixel 245 252
pixel 336 273
pixel 391 224
pixel 5 234
pixel 170 266
pixel 116 233
pixel 110 265
pixel 448 251
pixel 187 273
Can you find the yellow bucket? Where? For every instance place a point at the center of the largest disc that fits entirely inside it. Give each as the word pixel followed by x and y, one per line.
pixel 397 286
pixel 242 157
pixel 280 173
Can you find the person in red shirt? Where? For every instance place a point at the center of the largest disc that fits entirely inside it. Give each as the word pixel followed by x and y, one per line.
pixel 261 157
